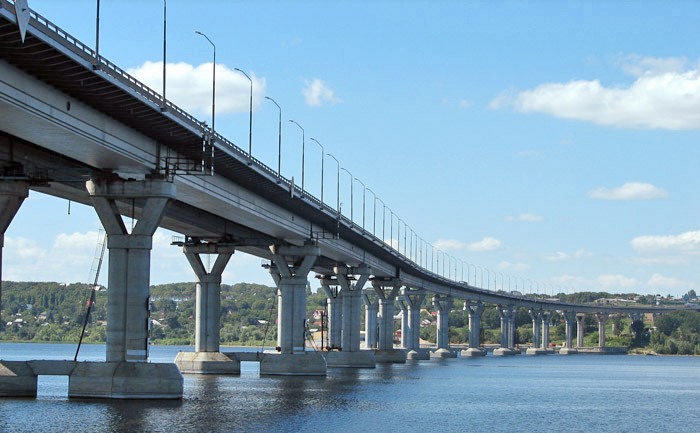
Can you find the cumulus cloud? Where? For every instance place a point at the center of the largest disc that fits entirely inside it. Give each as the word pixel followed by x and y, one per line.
pixel 629 191
pixel 524 217
pixel 658 281
pixel 664 95
pixel 508 266
pixel 448 245
pixel 189 86
pixel 559 256
pixel 616 281
pixel 684 242
pixel 317 93
pixel 486 244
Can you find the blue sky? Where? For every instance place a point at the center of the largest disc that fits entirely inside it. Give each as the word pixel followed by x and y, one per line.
pixel 555 143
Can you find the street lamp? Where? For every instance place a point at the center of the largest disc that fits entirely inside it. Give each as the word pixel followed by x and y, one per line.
pixel 383 217
pixel 165 16
pixel 352 221
pixel 322 158
pixel 279 142
pixel 337 191
pixel 374 212
pixel 213 82
pixel 303 144
pixel 250 106
pixel 364 190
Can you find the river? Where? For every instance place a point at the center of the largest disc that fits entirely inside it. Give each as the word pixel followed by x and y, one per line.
pixel 577 393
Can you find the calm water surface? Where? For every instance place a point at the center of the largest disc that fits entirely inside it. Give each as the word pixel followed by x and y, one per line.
pixel 579 393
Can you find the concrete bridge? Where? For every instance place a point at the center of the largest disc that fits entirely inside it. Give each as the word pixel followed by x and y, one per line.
pixel 76 126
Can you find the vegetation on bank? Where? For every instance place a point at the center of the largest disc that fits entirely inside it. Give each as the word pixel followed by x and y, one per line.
pixel 54 312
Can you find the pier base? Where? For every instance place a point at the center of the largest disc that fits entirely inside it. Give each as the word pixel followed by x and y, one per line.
pixel 418 355
pixel 207 363
pixel 288 364
pixel 503 351
pixel 361 359
pixel 17 379
pixel 473 352
pixel 536 351
pixel 393 356
pixel 443 353
pixel 125 380
pixel 568 351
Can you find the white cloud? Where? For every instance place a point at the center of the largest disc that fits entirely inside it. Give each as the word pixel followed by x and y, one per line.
pixel 559 256
pixel 629 191
pixel 486 244
pixel 658 281
pixel 448 245
pixel 616 281
pixel 524 217
pixel 663 96
pixel 687 242
pixel 189 87
pixel 316 93
pixel 507 266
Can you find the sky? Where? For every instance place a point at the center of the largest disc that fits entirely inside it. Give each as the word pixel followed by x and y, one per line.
pixel 550 146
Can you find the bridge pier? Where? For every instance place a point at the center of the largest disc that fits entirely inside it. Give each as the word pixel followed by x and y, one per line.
pixel 506 313
pixel 207 357
pixel 569 318
pixel 443 305
pixel 348 326
pixel 602 318
pixel 474 309
pixel 546 319
pixel 387 290
pixel 537 321
pixel 290 268
pixel 410 302
pixel 126 374
pixel 580 328
pixel 371 303
pixel 12 194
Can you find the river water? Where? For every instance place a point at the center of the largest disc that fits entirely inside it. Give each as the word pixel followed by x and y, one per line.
pixel 578 393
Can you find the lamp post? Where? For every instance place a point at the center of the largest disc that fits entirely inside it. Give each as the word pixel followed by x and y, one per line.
pixel 250 116
pixel 303 144
pixel 364 190
pixel 213 83
pixel 279 141
pixel 165 15
pixel 374 212
pixel 352 220
pixel 322 158
pixel 383 217
pixel 337 190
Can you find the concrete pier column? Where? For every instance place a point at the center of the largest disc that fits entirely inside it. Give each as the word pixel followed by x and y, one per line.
pixel 602 318
pixel 207 358
pixel 443 305
pixel 126 373
pixel 387 290
pixel 334 305
pixel 369 299
pixel 474 309
pixel 12 194
pixel 404 324
pixel 536 316
pixel 289 269
pixel 546 319
pixel 505 312
pixel 569 319
pixel 411 301
pixel 580 328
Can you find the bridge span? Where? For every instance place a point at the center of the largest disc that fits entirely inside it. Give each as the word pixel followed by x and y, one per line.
pixel 76 126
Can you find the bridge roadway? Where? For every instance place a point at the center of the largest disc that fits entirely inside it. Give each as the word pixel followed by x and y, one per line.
pixel 76 126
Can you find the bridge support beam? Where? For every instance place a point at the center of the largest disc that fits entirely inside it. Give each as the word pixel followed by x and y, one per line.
pixel 569 319
pixel 602 318
pixel 580 328
pixel 474 309
pixel 290 268
pixel 387 290
pixel 12 194
pixel 348 326
pixel 126 374
pixel 506 313
pixel 207 358
pixel 411 301
pixel 537 332
pixel 443 305
pixel 546 320
pixel 334 310
pixel 371 303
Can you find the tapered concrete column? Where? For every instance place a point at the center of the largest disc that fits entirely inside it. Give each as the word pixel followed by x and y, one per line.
pixel 126 373
pixel 387 291
pixel 405 330
pixel 443 305
pixel 546 318
pixel 129 261
pixel 536 316
pixel 474 309
pixel 580 328
pixel 351 291
pixel 334 303
pixel 289 269
pixel 411 301
pixel 12 194
pixel 371 304
pixel 569 319
pixel 602 317
pixel 207 358
pixel 505 312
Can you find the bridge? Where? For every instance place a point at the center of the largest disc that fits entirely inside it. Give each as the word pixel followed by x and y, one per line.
pixel 76 126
